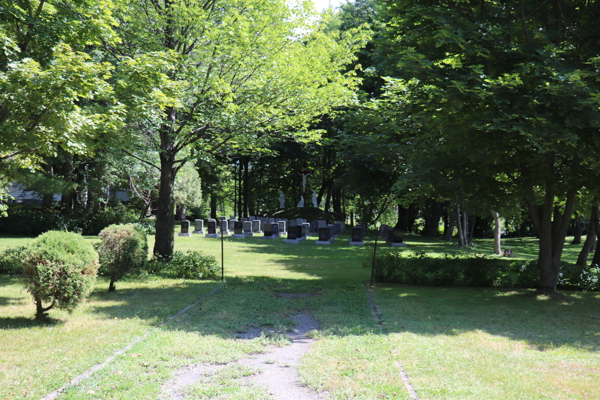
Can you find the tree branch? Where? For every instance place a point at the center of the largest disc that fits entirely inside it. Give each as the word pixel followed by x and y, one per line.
pixel 141 159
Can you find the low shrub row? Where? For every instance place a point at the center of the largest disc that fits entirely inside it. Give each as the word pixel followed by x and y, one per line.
pixel 33 221
pixel 476 271
pixel 190 265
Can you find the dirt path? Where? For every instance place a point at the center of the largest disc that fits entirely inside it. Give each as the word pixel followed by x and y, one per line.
pixel 278 374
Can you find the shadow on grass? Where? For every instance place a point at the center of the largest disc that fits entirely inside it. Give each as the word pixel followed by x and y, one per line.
pixel 22 322
pixel 342 309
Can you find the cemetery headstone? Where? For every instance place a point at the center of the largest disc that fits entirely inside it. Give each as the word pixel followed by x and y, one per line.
pixel 324 236
pixel 294 234
pixel 358 237
pixel 212 228
pixel 396 239
pixel 185 228
pixel 275 229
pixel 268 231
pixel 224 227
pixel 282 227
pixel 306 229
pixel 247 228
pixel 238 230
pixel 199 226
pixel 256 226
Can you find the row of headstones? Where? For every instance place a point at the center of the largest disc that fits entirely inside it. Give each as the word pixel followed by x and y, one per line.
pixel 298 229
pixel 393 237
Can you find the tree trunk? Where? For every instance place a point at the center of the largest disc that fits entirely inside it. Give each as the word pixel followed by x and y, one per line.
pixel 245 192
pixel 180 213
pixel 66 199
pixel 578 228
pixel 48 197
pixel 213 203
pixel 471 231
pixel 111 285
pixel 596 260
pixel 432 211
pixel 589 242
pixel 328 198
pixel 497 231
pixel 239 210
pixel 164 217
pixel 552 233
pixel 147 205
pixel 450 228
pixel 40 310
pixel 337 199
pixel 461 237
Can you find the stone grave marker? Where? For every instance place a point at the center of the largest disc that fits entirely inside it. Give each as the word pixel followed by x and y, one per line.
pixel 247 228
pixel 268 231
pixel 256 226
pixel 274 230
pixel 396 238
pixel 199 226
pixel 306 229
pixel 238 230
pixel 282 227
pixel 294 235
pixel 212 228
pixel 224 228
pixel 358 237
pixel 324 236
pixel 185 228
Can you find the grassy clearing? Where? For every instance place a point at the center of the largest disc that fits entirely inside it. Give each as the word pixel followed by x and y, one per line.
pixel 454 343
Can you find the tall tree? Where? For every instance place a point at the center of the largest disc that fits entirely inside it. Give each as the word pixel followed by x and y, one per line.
pixel 212 73
pixel 508 91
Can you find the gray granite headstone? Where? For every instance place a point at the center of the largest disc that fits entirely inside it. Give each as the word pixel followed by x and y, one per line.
pixel 256 226
pixel 185 228
pixel 282 227
pixel 199 226
pixel 248 228
pixel 224 228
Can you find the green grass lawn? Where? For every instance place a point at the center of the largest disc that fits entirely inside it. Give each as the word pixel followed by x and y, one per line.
pixel 453 343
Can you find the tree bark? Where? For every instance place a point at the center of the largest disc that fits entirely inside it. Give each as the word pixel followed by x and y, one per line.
pixel 180 213
pixel 589 240
pixel 552 234
pixel 497 231
pixel 111 285
pixel 432 212
pixel 245 191
pixel 461 237
pixel 450 228
pixel 213 203
pixel 578 228
pixel 164 217
pixel 40 310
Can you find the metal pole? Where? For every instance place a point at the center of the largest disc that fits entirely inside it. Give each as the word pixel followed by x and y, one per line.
pixel 374 254
pixel 222 262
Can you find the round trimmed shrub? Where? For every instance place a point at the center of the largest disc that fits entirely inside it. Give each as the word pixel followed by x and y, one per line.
pixel 59 268
pixel 11 260
pixel 122 249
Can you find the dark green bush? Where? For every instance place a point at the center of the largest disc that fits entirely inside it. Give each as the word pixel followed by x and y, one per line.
pixel 11 260
pixel 33 221
pixel 477 271
pixel 59 268
pixel 122 249
pixel 190 265
pixel 148 225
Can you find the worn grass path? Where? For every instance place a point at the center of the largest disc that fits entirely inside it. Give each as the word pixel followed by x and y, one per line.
pixel 450 343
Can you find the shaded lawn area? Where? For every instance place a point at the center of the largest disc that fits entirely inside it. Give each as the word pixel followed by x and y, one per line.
pixel 454 343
